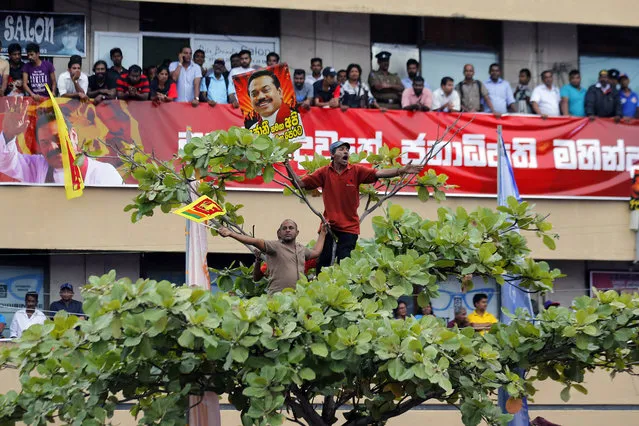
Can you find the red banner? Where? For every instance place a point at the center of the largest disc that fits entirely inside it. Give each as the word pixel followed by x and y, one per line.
pixel 558 157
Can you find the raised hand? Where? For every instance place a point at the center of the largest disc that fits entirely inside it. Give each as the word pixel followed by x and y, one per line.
pixel 224 232
pixel 15 120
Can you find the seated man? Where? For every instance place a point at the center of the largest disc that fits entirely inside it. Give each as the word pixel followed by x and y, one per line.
pixel 285 256
pixel 73 83
pixel 460 320
pixel 133 85
pixel 479 319
pixel 66 302
pixel 25 318
pixel 100 86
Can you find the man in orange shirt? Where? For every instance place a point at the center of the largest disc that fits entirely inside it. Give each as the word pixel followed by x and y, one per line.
pixel 340 183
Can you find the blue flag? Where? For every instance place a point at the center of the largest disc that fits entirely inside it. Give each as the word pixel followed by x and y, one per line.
pixel 512 297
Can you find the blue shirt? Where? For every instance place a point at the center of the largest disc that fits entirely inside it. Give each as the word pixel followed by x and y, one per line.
pixel 576 99
pixel 501 94
pixel 628 104
pixel 217 90
pixel 3 320
pixel 73 307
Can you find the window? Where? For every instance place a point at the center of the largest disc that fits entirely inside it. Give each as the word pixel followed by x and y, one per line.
pixel 192 19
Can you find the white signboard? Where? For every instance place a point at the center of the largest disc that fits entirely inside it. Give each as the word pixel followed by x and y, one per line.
pixel 217 46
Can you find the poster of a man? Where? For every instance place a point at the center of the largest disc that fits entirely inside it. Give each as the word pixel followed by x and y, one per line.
pixel 268 102
pixel 46 166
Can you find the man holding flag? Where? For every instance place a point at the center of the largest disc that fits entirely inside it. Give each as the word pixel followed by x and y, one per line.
pixel 512 296
pixel 47 166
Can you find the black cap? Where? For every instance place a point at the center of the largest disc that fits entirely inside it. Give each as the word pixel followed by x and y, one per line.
pixel 329 71
pixel 614 73
pixel 383 55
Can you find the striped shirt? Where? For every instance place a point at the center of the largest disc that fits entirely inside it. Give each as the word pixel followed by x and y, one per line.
pixel 123 84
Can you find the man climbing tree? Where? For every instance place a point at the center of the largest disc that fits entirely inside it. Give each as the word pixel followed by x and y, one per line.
pixel 340 183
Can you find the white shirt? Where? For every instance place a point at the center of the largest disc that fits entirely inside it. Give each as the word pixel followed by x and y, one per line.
pixel 237 71
pixel 21 321
pixel 311 80
pixel 65 83
pixel 186 80
pixel 33 168
pixel 547 99
pixel 440 99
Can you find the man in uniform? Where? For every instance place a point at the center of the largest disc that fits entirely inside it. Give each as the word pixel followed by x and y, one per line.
pixel 386 87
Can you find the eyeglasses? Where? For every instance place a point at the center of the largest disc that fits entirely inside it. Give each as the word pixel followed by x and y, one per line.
pixel 446 298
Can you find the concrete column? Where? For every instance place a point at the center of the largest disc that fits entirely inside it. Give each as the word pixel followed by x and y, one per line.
pixel 539 47
pixel 102 15
pixel 338 38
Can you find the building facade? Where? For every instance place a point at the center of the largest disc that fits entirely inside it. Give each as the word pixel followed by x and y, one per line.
pixel 68 241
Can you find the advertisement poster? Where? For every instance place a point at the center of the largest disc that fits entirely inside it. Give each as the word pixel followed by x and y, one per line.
pixel 268 103
pixel 563 157
pixel 57 34
pixel 15 282
pixel 619 281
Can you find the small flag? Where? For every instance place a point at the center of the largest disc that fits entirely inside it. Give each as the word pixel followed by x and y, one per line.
pixel 73 182
pixel 200 210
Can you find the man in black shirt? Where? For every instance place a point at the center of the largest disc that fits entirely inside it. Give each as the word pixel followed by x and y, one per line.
pixel 324 89
pixel 15 70
pixel 114 73
pixel 100 87
pixel 66 302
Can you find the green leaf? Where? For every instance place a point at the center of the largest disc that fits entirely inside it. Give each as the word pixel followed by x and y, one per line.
pixel 319 349
pixel 565 394
pixel 239 354
pixel 307 374
pixel 395 212
pixel 268 174
pixel 549 242
pixel 396 368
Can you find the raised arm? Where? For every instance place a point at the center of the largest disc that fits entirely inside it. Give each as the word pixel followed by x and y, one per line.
pixel 319 245
pixel 404 170
pixel 255 242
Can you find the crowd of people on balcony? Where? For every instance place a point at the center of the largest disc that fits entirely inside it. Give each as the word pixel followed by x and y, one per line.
pixel 187 80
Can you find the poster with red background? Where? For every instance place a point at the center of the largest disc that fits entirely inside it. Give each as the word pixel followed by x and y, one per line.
pixel 267 100
pixel 561 157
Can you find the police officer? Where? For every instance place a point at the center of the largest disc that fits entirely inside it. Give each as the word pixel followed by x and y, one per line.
pixel 386 87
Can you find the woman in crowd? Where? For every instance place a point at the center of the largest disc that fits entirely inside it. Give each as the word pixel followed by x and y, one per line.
pixel 426 311
pixel 354 93
pixel 163 89
pixel 401 312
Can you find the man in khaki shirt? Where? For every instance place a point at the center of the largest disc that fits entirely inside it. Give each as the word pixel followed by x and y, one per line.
pixel 385 86
pixel 285 256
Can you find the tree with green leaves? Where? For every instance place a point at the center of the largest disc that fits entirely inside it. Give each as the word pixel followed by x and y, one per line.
pixel 330 340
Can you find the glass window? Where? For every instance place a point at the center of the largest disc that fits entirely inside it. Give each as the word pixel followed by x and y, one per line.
pixel 15 282
pixel 437 64
pixel 590 66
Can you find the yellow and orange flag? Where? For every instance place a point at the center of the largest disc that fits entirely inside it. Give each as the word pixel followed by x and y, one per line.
pixel 200 210
pixel 73 182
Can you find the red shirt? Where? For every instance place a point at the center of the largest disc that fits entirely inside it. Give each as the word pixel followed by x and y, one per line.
pixel 142 85
pixel 340 192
